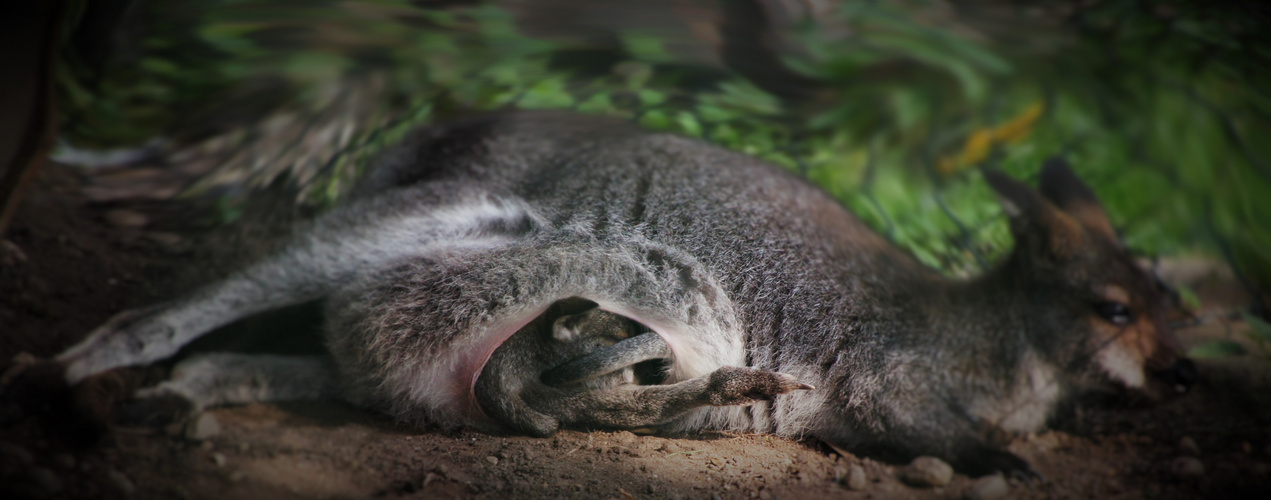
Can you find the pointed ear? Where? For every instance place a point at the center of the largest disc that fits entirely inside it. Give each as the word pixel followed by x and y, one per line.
pixel 1039 227
pixel 1063 188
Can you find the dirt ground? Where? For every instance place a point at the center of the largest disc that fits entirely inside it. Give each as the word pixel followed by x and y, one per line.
pixel 76 255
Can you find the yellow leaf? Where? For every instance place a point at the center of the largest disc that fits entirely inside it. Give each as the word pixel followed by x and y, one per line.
pixel 981 141
pixel 1019 127
pixel 977 147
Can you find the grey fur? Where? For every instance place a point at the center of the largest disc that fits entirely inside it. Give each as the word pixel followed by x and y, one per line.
pixel 600 388
pixel 466 232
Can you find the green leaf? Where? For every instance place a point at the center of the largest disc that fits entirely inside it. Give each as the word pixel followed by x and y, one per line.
pixel 1259 328
pixel 656 120
pixel 688 124
pixel 1217 349
pixel 650 97
pixel 1189 298
pixel 547 94
pixel 598 103
pixel 709 113
pixel 645 48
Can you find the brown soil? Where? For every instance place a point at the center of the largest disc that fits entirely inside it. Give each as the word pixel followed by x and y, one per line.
pixel 69 264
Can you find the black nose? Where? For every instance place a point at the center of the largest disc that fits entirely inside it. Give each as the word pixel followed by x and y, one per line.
pixel 1182 375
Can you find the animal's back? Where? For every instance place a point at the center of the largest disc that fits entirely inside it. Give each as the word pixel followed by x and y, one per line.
pixel 798 267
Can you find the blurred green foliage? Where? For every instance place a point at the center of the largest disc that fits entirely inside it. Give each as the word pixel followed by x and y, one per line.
pixel 1160 106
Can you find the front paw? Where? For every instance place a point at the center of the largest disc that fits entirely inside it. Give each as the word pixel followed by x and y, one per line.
pixel 740 386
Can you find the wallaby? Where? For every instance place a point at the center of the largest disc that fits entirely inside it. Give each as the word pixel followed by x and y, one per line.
pixel 468 232
pixel 602 388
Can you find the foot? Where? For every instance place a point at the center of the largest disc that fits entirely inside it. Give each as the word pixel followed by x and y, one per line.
pixel 740 386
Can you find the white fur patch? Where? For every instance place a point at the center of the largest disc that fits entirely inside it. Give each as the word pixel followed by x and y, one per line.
pixel 1121 365
pixel 457 226
pixel 1029 403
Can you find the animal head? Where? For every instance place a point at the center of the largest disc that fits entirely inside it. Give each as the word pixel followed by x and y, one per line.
pixel 1092 309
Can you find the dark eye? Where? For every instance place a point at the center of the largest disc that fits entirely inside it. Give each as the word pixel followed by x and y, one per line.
pixel 1115 312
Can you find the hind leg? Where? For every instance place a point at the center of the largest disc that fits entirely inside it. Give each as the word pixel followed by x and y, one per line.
pixel 337 249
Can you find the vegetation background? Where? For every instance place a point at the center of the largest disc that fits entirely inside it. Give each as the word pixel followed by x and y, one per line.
pixel 892 106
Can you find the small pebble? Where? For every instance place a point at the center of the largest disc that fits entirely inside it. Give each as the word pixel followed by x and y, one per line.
pixel 1246 448
pixel 64 461
pixel 1187 467
pixel 202 427
pixel 14 454
pixel 121 482
pixel 10 254
pixel 46 480
pixel 1187 446
pixel 1047 441
pixel 927 472
pixel 492 460
pixel 174 429
pixel 856 479
pixel 218 459
pixel 165 239
pixel 988 488
pixel 126 218
pixel 237 476
pixel 243 447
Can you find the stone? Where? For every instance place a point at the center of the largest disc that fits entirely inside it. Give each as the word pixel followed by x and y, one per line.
pixel 169 240
pixel 856 479
pixel 927 472
pixel 47 481
pixel 988 488
pixel 202 427
pixel 64 461
pixel 1187 467
pixel 126 218
pixel 15 454
pixel 121 482
pixel 1187 446
pixel 10 254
